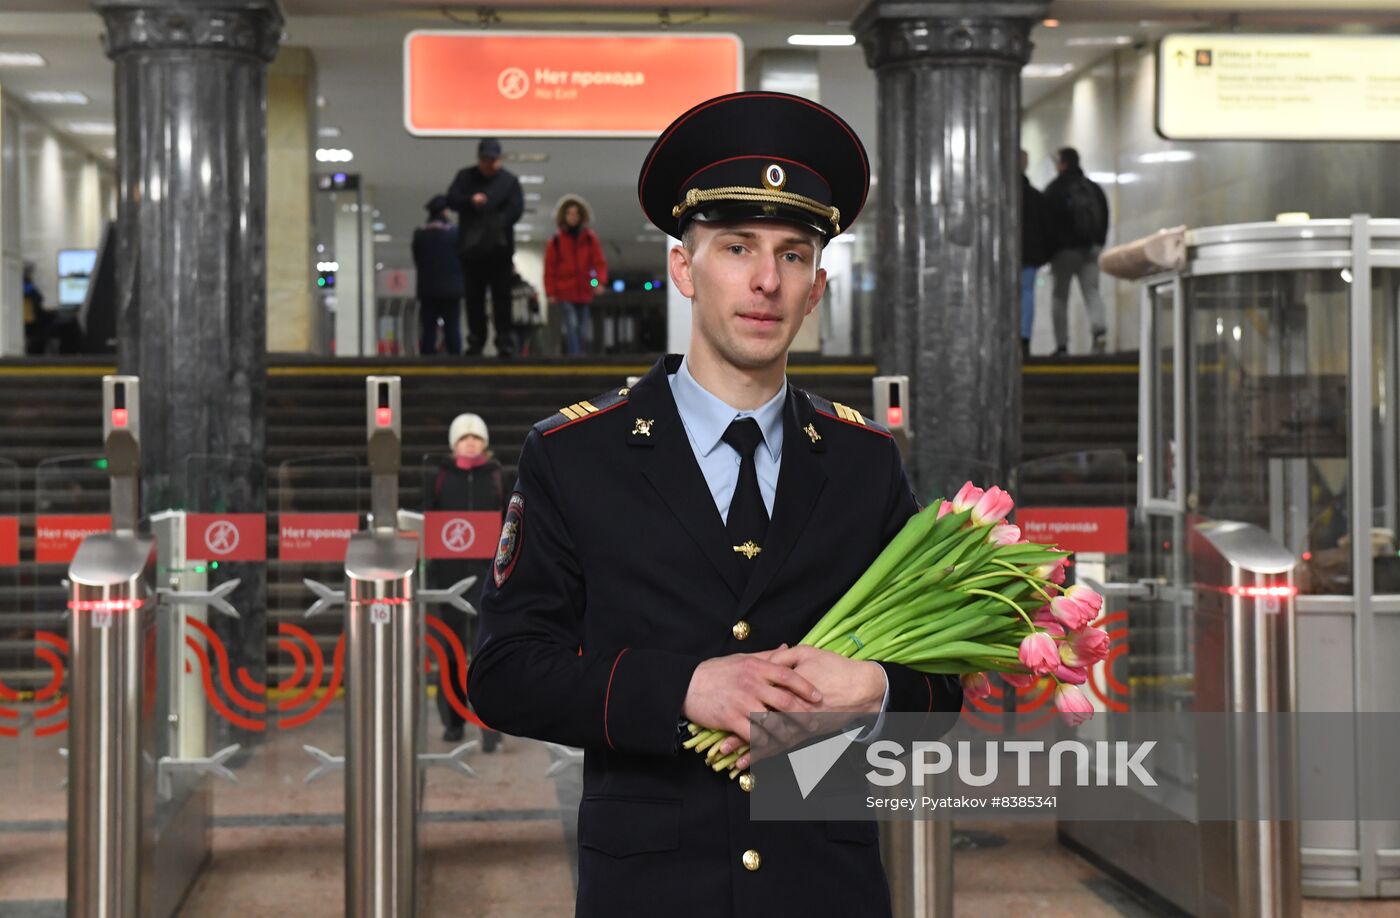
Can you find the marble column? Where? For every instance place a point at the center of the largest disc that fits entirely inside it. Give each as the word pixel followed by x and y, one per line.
pixel 190 80
pixel 948 195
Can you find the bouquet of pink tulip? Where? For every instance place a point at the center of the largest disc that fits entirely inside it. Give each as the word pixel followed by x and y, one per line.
pixel 959 592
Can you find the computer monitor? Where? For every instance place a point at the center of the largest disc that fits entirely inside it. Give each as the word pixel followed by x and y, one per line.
pixel 75 267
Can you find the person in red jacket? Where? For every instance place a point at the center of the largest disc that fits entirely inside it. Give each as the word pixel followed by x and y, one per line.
pixel 574 267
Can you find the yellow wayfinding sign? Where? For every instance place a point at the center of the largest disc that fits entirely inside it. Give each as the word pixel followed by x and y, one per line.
pixel 1278 87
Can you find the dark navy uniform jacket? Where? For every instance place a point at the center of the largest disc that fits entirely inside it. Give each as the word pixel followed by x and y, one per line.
pixel 615 579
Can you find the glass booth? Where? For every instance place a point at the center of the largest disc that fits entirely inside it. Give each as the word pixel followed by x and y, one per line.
pixel 1269 396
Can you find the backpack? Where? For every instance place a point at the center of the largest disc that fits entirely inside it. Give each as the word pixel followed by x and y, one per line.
pixel 1087 218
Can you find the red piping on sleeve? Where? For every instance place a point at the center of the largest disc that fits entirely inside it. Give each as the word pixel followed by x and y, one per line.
pixel 607 696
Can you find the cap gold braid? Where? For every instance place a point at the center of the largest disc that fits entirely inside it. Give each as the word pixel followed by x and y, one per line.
pixel 695 197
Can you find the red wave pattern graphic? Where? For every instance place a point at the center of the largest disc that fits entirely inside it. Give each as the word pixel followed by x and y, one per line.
pixel 237 696
pixel 52 649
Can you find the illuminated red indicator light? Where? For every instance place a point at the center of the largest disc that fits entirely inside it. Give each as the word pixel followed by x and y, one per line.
pixel 385 601
pixel 119 417
pixel 383 416
pixel 896 416
pixel 1263 592
pixel 105 605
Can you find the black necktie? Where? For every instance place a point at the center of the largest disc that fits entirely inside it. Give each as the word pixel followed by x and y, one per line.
pixel 747 523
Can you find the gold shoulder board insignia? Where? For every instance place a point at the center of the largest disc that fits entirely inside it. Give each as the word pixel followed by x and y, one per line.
pixel 847 413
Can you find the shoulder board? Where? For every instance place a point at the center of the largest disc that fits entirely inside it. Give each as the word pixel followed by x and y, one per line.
pixel 579 412
pixel 845 414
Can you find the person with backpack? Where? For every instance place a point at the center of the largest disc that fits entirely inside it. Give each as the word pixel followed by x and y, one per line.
pixel 574 267
pixel 489 202
pixel 1079 217
pixel 469 480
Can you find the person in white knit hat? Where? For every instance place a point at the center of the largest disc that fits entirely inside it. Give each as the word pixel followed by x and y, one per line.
pixel 469 480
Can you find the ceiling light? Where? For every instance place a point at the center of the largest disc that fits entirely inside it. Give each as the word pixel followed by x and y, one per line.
pixel 1167 156
pixel 531 179
pixel 55 97
pixel 328 131
pixel 1050 23
pixel 1098 41
pixel 333 155
pixel 1045 71
pixel 22 59
pixel 1293 216
pixel 822 41
pixel 526 157
pixel 383 237
pixel 532 196
pixel 1114 178
pixel 379 227
pixel 110 152
pixel 99 128
pixel 328 267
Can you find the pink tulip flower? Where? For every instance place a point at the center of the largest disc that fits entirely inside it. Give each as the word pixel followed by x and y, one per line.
pixel 1085 596
pixel 1039 653
pixel 1019 680
pixel 1004 534
pixel 1073 704
pixel 1053 572
pixel 976 685
pixel 967 497
pixel 1085 648
pixel 944 508
pixel 1045 619
pixel 1070 674
pixel 994 505
pixel 1071 613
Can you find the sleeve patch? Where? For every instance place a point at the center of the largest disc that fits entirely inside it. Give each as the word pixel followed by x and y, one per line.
pixel 508 549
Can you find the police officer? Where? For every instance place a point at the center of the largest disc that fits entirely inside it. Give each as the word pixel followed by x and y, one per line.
pixel 666 545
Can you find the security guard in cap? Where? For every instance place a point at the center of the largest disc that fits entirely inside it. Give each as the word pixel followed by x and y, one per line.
pixel 666 545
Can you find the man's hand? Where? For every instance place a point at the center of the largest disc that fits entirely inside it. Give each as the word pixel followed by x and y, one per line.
pixel 724 691
pixel 847 686
pixel 479 199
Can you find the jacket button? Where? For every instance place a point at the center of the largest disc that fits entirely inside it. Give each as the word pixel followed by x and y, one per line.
pixel 741 630
pixel 751 860
pixel 746 782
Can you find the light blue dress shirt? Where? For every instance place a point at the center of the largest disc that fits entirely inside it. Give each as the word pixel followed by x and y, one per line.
pixel 706 417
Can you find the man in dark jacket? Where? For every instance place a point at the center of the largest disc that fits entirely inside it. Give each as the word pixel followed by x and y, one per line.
pixel 469 481
pixel 439 280
pixel 665 540
pixel 488 202
pixel 1079 215
pixel 1037 243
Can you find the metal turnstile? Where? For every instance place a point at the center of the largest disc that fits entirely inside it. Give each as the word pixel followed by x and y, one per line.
pixel 383 685
pixel 110 768
pixel 1237 606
